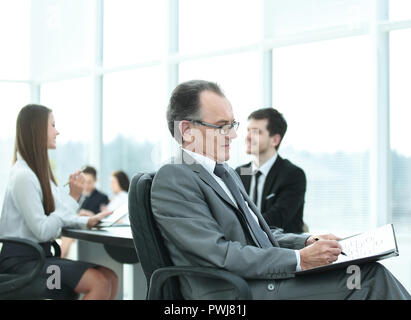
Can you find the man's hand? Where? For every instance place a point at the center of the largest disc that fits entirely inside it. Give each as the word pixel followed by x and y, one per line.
pixel 319 253
pixel 313 239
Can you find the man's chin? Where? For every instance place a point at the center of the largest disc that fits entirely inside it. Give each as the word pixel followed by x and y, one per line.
pixel 224 156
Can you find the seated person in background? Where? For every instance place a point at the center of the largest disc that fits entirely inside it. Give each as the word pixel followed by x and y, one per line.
pixel 274 184
pixel 119 185
pixel 92 200
pixel 207 219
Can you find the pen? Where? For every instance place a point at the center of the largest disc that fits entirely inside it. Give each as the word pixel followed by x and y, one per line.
pixel 316 239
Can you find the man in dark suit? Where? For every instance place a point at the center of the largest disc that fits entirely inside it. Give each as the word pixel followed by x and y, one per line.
pixel 92 200
pixel 206 217
pixel 276 185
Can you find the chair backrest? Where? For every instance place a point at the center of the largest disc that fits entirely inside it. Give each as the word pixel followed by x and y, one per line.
pixel 147 238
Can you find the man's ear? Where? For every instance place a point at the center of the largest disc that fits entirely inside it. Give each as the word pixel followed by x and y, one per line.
pixel 185 130
pixel 276 139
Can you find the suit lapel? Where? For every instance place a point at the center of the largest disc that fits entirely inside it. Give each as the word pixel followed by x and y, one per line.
pixel 261 220
pixel 246 178
pixel 270 180
pixel 205 176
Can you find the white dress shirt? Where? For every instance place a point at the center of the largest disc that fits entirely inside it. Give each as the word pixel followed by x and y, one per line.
pixel 118 200
pixel 209 165
pixel 264 169
pixel 23 214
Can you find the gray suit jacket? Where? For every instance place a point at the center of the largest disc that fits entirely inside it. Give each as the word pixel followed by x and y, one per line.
pixel 198 222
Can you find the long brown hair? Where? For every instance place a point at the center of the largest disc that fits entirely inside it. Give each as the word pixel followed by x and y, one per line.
pixel 31 144
pixel 122 179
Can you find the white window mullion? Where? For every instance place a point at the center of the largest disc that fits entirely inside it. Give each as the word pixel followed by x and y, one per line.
pixel 380 164
pixel 96 147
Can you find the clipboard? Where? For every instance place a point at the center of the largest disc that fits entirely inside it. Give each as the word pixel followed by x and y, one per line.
pixel 116 216
pixel 361 248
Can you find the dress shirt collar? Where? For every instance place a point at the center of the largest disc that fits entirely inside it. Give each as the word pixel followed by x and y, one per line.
pixel 207 163
pixel 265 168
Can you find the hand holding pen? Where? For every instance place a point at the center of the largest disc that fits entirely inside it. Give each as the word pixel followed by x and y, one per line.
pixel 76 182
pixel 317 238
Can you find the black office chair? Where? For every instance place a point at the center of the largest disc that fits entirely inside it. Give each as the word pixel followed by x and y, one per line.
pixel 31 285
pixel 161 274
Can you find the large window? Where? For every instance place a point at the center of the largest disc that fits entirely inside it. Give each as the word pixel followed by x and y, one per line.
pixel 15 40
pixel 134 31
pixel 63 38
pixel 291 17
pixel 13 96
pixel 72 105
pixel 400 9
pixel 107 68
pixel 400 113
pixel 133 122
pixel 323 90
pixel 214 24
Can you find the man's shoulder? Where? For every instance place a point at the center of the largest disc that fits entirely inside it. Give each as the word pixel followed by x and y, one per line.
pixel 172 169
pixel 99 194
pixel 247 165
pixel 289 167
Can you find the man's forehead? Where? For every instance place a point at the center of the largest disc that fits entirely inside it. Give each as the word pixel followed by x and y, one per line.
pixel 257 123
pixel 215 107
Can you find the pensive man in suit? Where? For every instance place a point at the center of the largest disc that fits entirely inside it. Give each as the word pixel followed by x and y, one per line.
pixel 207 219
pixel 276 186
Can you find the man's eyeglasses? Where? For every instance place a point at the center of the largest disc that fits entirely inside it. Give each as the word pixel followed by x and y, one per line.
pixel 224 129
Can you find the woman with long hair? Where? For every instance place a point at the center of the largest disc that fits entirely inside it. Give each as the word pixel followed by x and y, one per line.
pixel 34 208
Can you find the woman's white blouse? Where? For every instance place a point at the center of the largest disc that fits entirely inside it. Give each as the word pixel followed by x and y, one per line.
pixel 23 214
pixel 117 201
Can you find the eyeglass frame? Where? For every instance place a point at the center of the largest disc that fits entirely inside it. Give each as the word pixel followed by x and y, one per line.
pixel 234 124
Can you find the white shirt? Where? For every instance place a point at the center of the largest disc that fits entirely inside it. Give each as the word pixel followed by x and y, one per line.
pixel 209 165
pixel 118 200
pixel 23 214
pixel 264 169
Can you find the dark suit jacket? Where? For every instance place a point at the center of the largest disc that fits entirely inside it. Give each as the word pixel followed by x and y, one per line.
pixel 285 188
pixel 94 201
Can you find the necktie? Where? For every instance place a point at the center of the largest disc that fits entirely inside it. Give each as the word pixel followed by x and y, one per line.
pixel 255 195
pixel 258 233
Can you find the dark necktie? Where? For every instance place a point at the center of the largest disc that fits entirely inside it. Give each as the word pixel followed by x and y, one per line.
pixel 258 233
pixel 255 195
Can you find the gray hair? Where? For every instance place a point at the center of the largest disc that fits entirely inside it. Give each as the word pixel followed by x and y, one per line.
pixel 185 103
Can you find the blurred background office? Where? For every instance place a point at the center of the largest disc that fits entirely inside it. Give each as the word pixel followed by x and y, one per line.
pixel 338 70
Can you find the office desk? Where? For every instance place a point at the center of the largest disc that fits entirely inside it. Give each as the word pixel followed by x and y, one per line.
pixel 114 248
pixel 116 236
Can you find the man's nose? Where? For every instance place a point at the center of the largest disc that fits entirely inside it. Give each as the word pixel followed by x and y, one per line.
pixel 233 133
